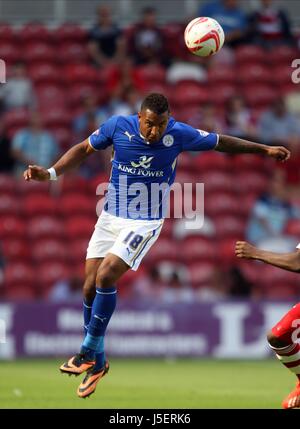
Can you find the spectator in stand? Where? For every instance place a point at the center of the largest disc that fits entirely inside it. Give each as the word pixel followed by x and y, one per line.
pixel 67 290
pixel 90 109
pixel 270 26
pixel 239 286
pixel 238 119
pixel 33 145
pixel 18 92
pixel 279 126
pixel 271 212
pixel 106 42
pixel 177 291
pixel 146 39
pixel 150 286
pixel 6 159
pixel 129 104
pixel 216 288
pixel 230 16
pixel 210 120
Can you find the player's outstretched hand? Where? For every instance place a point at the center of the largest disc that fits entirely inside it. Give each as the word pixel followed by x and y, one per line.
pixel 280 153
pixel 35 172
pixel 244 250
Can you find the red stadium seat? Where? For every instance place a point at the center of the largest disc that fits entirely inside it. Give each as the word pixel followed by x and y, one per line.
pixel 293 227
pixel 50 96
pixel 77 73
pixel 220 93
pixel 189 94
pixel 53 118
pixel 34 32
pixel 7 33
pixel 173 40
pixel 45 73
pixel 7 184
pixel 282 55
pixel 49 250
pixel 250 182
pixel 38 51
pixel 70 32
pixel 73 53
pixel 254 73
pixel 19 274
pixel 226 251
pixel 80 227
pixel 77 250
pixel 249 162
pixel 185 162
pixel 279 291
pixel 19 292
pixel 281 74
pixel 207 161
pixel 250 54
pixel 200 274
pixel 49 273
pixel 218 203
pixel 259 95
pixel 11 226
pixel 153 73
pixel 9 205
pixel 16 250
pixel 72 184
pixel 32 187
pixel 63 136
pixel 225 74
pixel 229 226
pixel 45 227
pixel 9 52
pixel 216 180
pixel 77 204
pixel 16 117
pixel 163 249
pixel 34 205
pixel 167 229
pixel 196 249
pixel 78 91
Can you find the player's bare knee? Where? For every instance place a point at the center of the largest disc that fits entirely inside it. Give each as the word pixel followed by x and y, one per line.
pixel 105 277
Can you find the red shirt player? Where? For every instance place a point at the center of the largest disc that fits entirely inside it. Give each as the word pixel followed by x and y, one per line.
pixel 283 337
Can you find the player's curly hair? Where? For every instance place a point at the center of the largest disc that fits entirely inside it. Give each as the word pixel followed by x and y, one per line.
pixel 156 102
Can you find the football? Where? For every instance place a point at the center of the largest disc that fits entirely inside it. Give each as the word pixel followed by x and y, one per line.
pixel 204 36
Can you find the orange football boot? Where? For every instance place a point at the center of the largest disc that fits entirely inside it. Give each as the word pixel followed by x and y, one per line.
pixel 76 365
pixel 88 386
pixel 293 399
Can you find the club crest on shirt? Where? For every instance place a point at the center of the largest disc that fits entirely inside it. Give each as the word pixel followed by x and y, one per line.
pixel 168 140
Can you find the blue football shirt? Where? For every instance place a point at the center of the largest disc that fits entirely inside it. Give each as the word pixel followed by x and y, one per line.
pixel 142 173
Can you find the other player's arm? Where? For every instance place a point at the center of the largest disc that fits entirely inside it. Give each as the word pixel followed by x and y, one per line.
pixel 69 161
pixel 287 261
pixel 231 144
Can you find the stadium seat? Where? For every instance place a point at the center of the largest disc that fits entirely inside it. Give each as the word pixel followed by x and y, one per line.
pixel 254 73
pixel 19 274
pixel 35 32
pixel 226 251
pixel 293 227
pixel 78 91
pixel 69 32
pixel 63 136
pixel 77 205
pixel 45 73
pixel 53 118
pixel 38 51
pixel 16 250
pixel 72 183
pixel 9 205
pixel 80 227
pixel 229 226
pixel 50 96
pixel 279 291
pixel 250 54
pixel 7 33
pixel 200 274
pixel 153 73
pixel 37 204
pixel 163 249
pixel 220 93
pixel 16 118
pixel 73 53
pixel 281 74
pixel 217 203
pixel 259 95
pixel 7 184
pixel 20 292
pixel 11 226
pixel 167 229
pixel 207 161
pixel 49 273
pixel 197 249
pixel 49 250
pixel 77 73
pixel 185 162
pixel 45 227
pixel 173 40
pixel 249 162
pixel 250 182
pixel 10 52
pixel 221 75
pixel 282 55
pixel 77 250
pixel 189 94
pixel 30 188
pixel 216 180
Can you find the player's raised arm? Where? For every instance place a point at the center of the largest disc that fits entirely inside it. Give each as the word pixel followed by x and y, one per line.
pixel 70 160
pixel 235 145
pixel 287 261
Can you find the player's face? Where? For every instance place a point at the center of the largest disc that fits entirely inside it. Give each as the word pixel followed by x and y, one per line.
pixel 152 125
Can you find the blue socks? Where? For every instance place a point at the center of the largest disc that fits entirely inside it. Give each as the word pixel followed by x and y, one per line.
pixel 87 312
pixel 103 307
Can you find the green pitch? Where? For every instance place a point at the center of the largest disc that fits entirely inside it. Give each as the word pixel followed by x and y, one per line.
pixel 149 384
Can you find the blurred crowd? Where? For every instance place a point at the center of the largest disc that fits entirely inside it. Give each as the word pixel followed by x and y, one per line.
pixel 63 84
